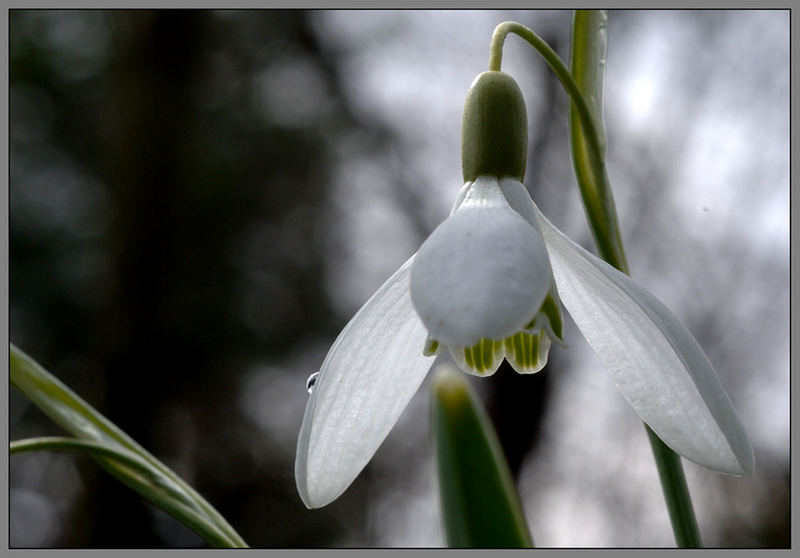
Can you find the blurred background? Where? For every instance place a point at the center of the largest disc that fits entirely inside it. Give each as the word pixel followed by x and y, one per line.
pixel 200 200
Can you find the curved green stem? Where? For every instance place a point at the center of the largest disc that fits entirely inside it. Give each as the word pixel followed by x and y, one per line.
pixel 588 139
pixel 556 64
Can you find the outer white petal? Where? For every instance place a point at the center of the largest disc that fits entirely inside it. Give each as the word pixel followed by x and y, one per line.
pixel 654 360
pixel 520 200
pixel 483 273
pixel 461 195
pixel 371 372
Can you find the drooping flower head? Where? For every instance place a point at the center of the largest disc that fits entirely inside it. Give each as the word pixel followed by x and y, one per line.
pixel 482 282
pixel 488 284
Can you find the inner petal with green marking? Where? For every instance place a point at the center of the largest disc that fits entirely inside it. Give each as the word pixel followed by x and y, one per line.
pixel 482 359
pixel 526 352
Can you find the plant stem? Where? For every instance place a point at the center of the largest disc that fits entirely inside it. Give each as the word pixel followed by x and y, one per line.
pixel 556 64
pixel 676 493
pixel 589 151
pixel 588 52
pixel 584 85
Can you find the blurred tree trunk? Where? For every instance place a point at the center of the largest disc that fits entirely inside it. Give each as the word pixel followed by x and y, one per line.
pixel 148 107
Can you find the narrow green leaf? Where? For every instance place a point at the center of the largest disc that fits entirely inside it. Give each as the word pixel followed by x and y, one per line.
pixel 79 418
pixel 126 463
pixel 587 63
pixel 479 501
pixel 137 474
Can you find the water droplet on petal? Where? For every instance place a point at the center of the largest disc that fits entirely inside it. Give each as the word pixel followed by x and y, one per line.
pixel 312 379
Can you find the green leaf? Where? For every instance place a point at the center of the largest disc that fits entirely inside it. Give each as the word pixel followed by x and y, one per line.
pixel 139 475
pixel 588 61
pixel 115 451
pixel 479 502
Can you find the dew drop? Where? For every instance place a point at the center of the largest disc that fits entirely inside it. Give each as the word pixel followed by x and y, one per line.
pixel 312 379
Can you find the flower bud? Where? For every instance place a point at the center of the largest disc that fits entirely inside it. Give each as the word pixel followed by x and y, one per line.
pixel 494 134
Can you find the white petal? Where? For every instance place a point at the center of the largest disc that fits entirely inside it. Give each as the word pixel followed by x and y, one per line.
pixel 483 273
pixel 654 360
pixel 371 372
pixel 461 195
pixel 520 200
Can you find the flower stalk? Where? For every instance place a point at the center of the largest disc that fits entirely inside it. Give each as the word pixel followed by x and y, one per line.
pixel 587 61
pixel 676 493
pixel 584 83
pixel 585 122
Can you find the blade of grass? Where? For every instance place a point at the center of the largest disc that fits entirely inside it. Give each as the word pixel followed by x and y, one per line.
pixel 480 506
pixel 79 418
pixel 139 475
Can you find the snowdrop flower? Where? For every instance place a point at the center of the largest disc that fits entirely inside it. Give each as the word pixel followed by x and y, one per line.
pixel 488 284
